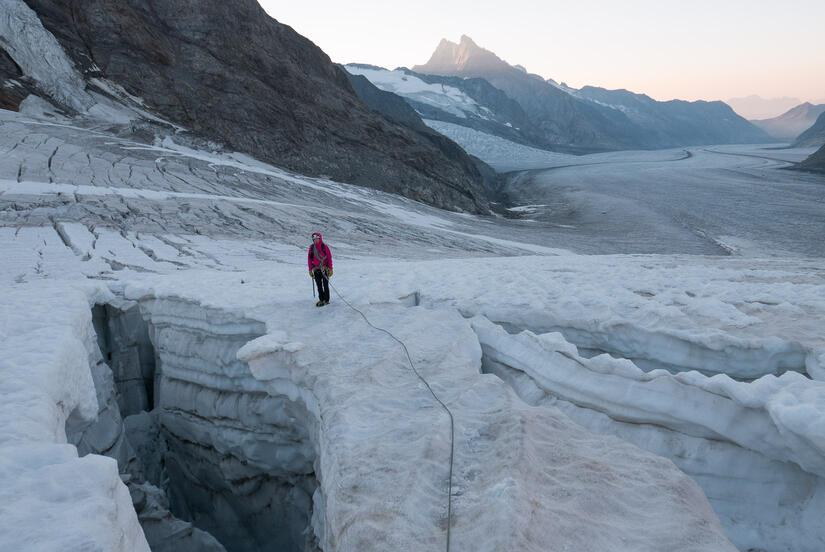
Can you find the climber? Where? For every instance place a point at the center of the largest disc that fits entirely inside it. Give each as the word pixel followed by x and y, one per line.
pixel 319 260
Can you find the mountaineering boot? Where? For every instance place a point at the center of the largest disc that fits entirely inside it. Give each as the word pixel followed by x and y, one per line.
pixel 319 304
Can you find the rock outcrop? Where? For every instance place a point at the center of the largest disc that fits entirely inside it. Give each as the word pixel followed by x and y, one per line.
pixel 814 136
pixel 814 163
pixel 394 108
pixel 230 73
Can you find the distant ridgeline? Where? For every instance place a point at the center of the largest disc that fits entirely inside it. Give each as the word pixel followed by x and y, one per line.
pixel 793 123
pixel 507 101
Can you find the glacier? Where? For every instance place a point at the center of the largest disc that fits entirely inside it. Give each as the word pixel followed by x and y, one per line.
pixel 167 383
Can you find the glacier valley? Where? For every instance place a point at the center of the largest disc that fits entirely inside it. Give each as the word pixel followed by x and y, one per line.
pixel 625 371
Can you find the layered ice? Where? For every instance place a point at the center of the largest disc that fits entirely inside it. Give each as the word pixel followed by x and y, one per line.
pixel 50 498
pixel 379 444
pixel 755 448
pixel 41 57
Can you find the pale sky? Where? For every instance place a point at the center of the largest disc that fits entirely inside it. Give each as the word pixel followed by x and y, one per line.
pixel 702 49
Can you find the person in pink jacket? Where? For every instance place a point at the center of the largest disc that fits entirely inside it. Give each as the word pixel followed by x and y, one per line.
pixel 319 260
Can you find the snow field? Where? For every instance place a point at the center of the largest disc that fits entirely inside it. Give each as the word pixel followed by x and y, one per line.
pixel 447 98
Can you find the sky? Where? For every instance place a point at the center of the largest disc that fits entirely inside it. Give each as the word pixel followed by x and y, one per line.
pixel 709 50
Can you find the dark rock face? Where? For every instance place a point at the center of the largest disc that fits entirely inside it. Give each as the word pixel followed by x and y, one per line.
pixel 229 72
pixel 814 163
pixel 595 118
pixel 397 110
pixel 505 117
pixel 12 91
pixel 391 106
pixel 814 136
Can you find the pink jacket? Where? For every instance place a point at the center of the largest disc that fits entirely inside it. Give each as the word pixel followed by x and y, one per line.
pixel 324 258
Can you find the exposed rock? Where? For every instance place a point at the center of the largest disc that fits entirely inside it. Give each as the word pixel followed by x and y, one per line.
pixel 814 136
pixel 397 110
pixel 505 118
pixel 12 91
pixel 814 163
pixel 282 101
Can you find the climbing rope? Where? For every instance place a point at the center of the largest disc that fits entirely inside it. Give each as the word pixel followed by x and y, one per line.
pixel 444 406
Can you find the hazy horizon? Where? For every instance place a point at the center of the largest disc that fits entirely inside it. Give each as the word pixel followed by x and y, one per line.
pixel 711 51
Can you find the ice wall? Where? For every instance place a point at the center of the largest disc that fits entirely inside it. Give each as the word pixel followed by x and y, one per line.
pixel 524 479
pixel 40 56
pixel 50 498
pixel 756 448
pixel 122 367
pixel 238 459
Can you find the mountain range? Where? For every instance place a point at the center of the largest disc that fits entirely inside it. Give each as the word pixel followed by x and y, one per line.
pixel 286 103
pixel 755 107
pixel 792 123
pixel 592 118
pixel 283 100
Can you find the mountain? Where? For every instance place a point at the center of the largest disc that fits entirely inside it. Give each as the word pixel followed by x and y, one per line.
pixel 470 102
pixel 282 100
pixel 594 117
pixel 814 136
pixel 563 120
pixel 394 108
pixel 814 163
pixel 792 123
pixel 755 107
pixel 676 123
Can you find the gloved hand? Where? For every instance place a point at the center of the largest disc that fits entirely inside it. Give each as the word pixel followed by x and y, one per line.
pixel 329 272
pixel 311 273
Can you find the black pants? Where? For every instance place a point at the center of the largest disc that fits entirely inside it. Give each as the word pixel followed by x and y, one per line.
pixel 323 285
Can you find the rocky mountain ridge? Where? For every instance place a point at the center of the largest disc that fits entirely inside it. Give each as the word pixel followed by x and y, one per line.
pixel 564 121
pixel 282 101
pixel 594 117
pixel 814 136
pixel 488 109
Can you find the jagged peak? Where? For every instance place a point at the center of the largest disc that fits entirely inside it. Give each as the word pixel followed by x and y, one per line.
pixel 466 56
pixel 467 41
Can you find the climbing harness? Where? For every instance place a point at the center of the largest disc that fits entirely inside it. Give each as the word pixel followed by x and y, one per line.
pixel 439 401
